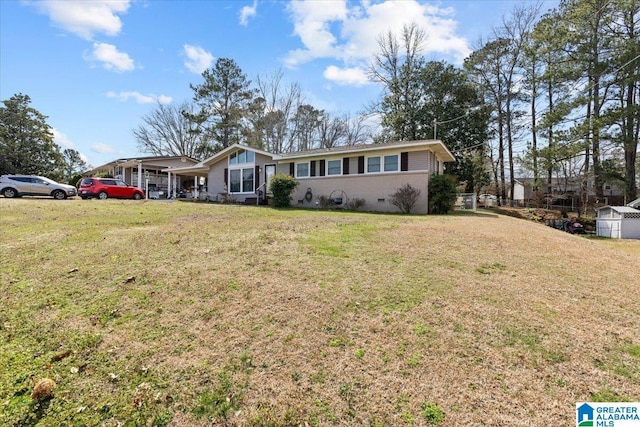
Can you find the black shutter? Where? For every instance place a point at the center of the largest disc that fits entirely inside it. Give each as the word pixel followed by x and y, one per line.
pixel 292 169
pixel 404 161
pixel 322 167
pixel 226 176
pixel 312 171
pixel 345 166
pixel 257 178
pixel 361 164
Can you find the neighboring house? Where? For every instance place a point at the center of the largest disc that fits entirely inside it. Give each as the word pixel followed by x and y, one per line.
pixel 369 172
pixel 571 188
pixel 618 222
pixel 136 171
pixel 518 191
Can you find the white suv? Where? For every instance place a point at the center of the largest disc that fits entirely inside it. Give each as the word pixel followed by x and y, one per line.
pixel 32 185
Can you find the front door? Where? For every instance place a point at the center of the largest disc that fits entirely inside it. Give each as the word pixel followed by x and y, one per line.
pixel 269 171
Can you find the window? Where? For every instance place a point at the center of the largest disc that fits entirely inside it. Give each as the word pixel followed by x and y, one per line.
pixel 241 157
pixel 234 180
pixel 391 163
pixel 241 180
pixel 334 167
pixel 373 164
pixel 241 172
pixel 247 180
pixel 302 170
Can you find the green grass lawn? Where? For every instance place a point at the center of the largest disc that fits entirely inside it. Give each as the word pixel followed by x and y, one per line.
pixel 189 314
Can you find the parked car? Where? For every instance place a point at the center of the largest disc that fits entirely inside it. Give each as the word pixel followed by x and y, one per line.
pixel 103 188
pixel 34 185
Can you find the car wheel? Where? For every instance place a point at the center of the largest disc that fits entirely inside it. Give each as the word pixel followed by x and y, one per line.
pixel 59 194
pixel 103 195
pixel 137 196
pixel 9 193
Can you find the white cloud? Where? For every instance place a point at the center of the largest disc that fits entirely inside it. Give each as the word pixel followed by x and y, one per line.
pixel 346 76
pixel 248 12
pixel 111 58
pixel 164 99
pixel 198 59
pixel 101 148
pixel 312 23
pixel 140 98
pixel 61 139
pixel 85 18
pixel 349 34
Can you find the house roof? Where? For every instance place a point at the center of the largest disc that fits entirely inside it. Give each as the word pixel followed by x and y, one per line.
pixel 435 145
pixel 133 161
pixel 620 209
pixel 635 204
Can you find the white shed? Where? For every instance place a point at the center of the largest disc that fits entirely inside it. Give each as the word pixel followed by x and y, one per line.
pixel 618 222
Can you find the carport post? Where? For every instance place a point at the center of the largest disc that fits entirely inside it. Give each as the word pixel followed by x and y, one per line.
pixel 168 185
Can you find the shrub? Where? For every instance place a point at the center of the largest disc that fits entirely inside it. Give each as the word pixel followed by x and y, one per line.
pixel 355 204
pixel 405 198
pixel 282 185
pixel 325 202
pixel 442 194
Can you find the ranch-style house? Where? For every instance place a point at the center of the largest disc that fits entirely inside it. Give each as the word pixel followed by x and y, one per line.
pixel 369 173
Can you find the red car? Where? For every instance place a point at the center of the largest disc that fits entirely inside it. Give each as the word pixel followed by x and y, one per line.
pixel 103 188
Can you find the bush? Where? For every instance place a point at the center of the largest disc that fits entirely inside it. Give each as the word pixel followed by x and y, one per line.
pixel 282 185
pixel 442 194
pixel 405 198
pixel 355 204
pixel 324 202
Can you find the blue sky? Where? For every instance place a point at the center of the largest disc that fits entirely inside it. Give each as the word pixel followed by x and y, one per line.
pixel 96 68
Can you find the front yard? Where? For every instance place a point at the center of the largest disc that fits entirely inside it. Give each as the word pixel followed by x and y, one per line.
pixel 159 313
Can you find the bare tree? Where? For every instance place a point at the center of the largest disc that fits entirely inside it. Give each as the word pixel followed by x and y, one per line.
pixel 280 104
pixel 395 66
pixel 356 130
pixel 167 131
pixel 331 131
pixel 306 122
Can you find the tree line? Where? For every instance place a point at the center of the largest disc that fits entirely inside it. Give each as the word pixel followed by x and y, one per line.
pixel 566 87
pixel 550 96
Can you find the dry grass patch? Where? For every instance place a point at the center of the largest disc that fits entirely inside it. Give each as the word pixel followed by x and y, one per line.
pixel 254 316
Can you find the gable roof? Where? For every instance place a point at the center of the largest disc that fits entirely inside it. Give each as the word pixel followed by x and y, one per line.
pixel 635 204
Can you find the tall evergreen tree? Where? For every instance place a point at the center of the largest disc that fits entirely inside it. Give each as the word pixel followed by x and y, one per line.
pixel 224 99
pixel 26 140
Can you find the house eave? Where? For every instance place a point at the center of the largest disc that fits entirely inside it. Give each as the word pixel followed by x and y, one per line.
pixel 437 146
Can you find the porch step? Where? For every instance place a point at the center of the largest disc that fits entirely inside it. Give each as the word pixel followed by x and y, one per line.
pixel 253 200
